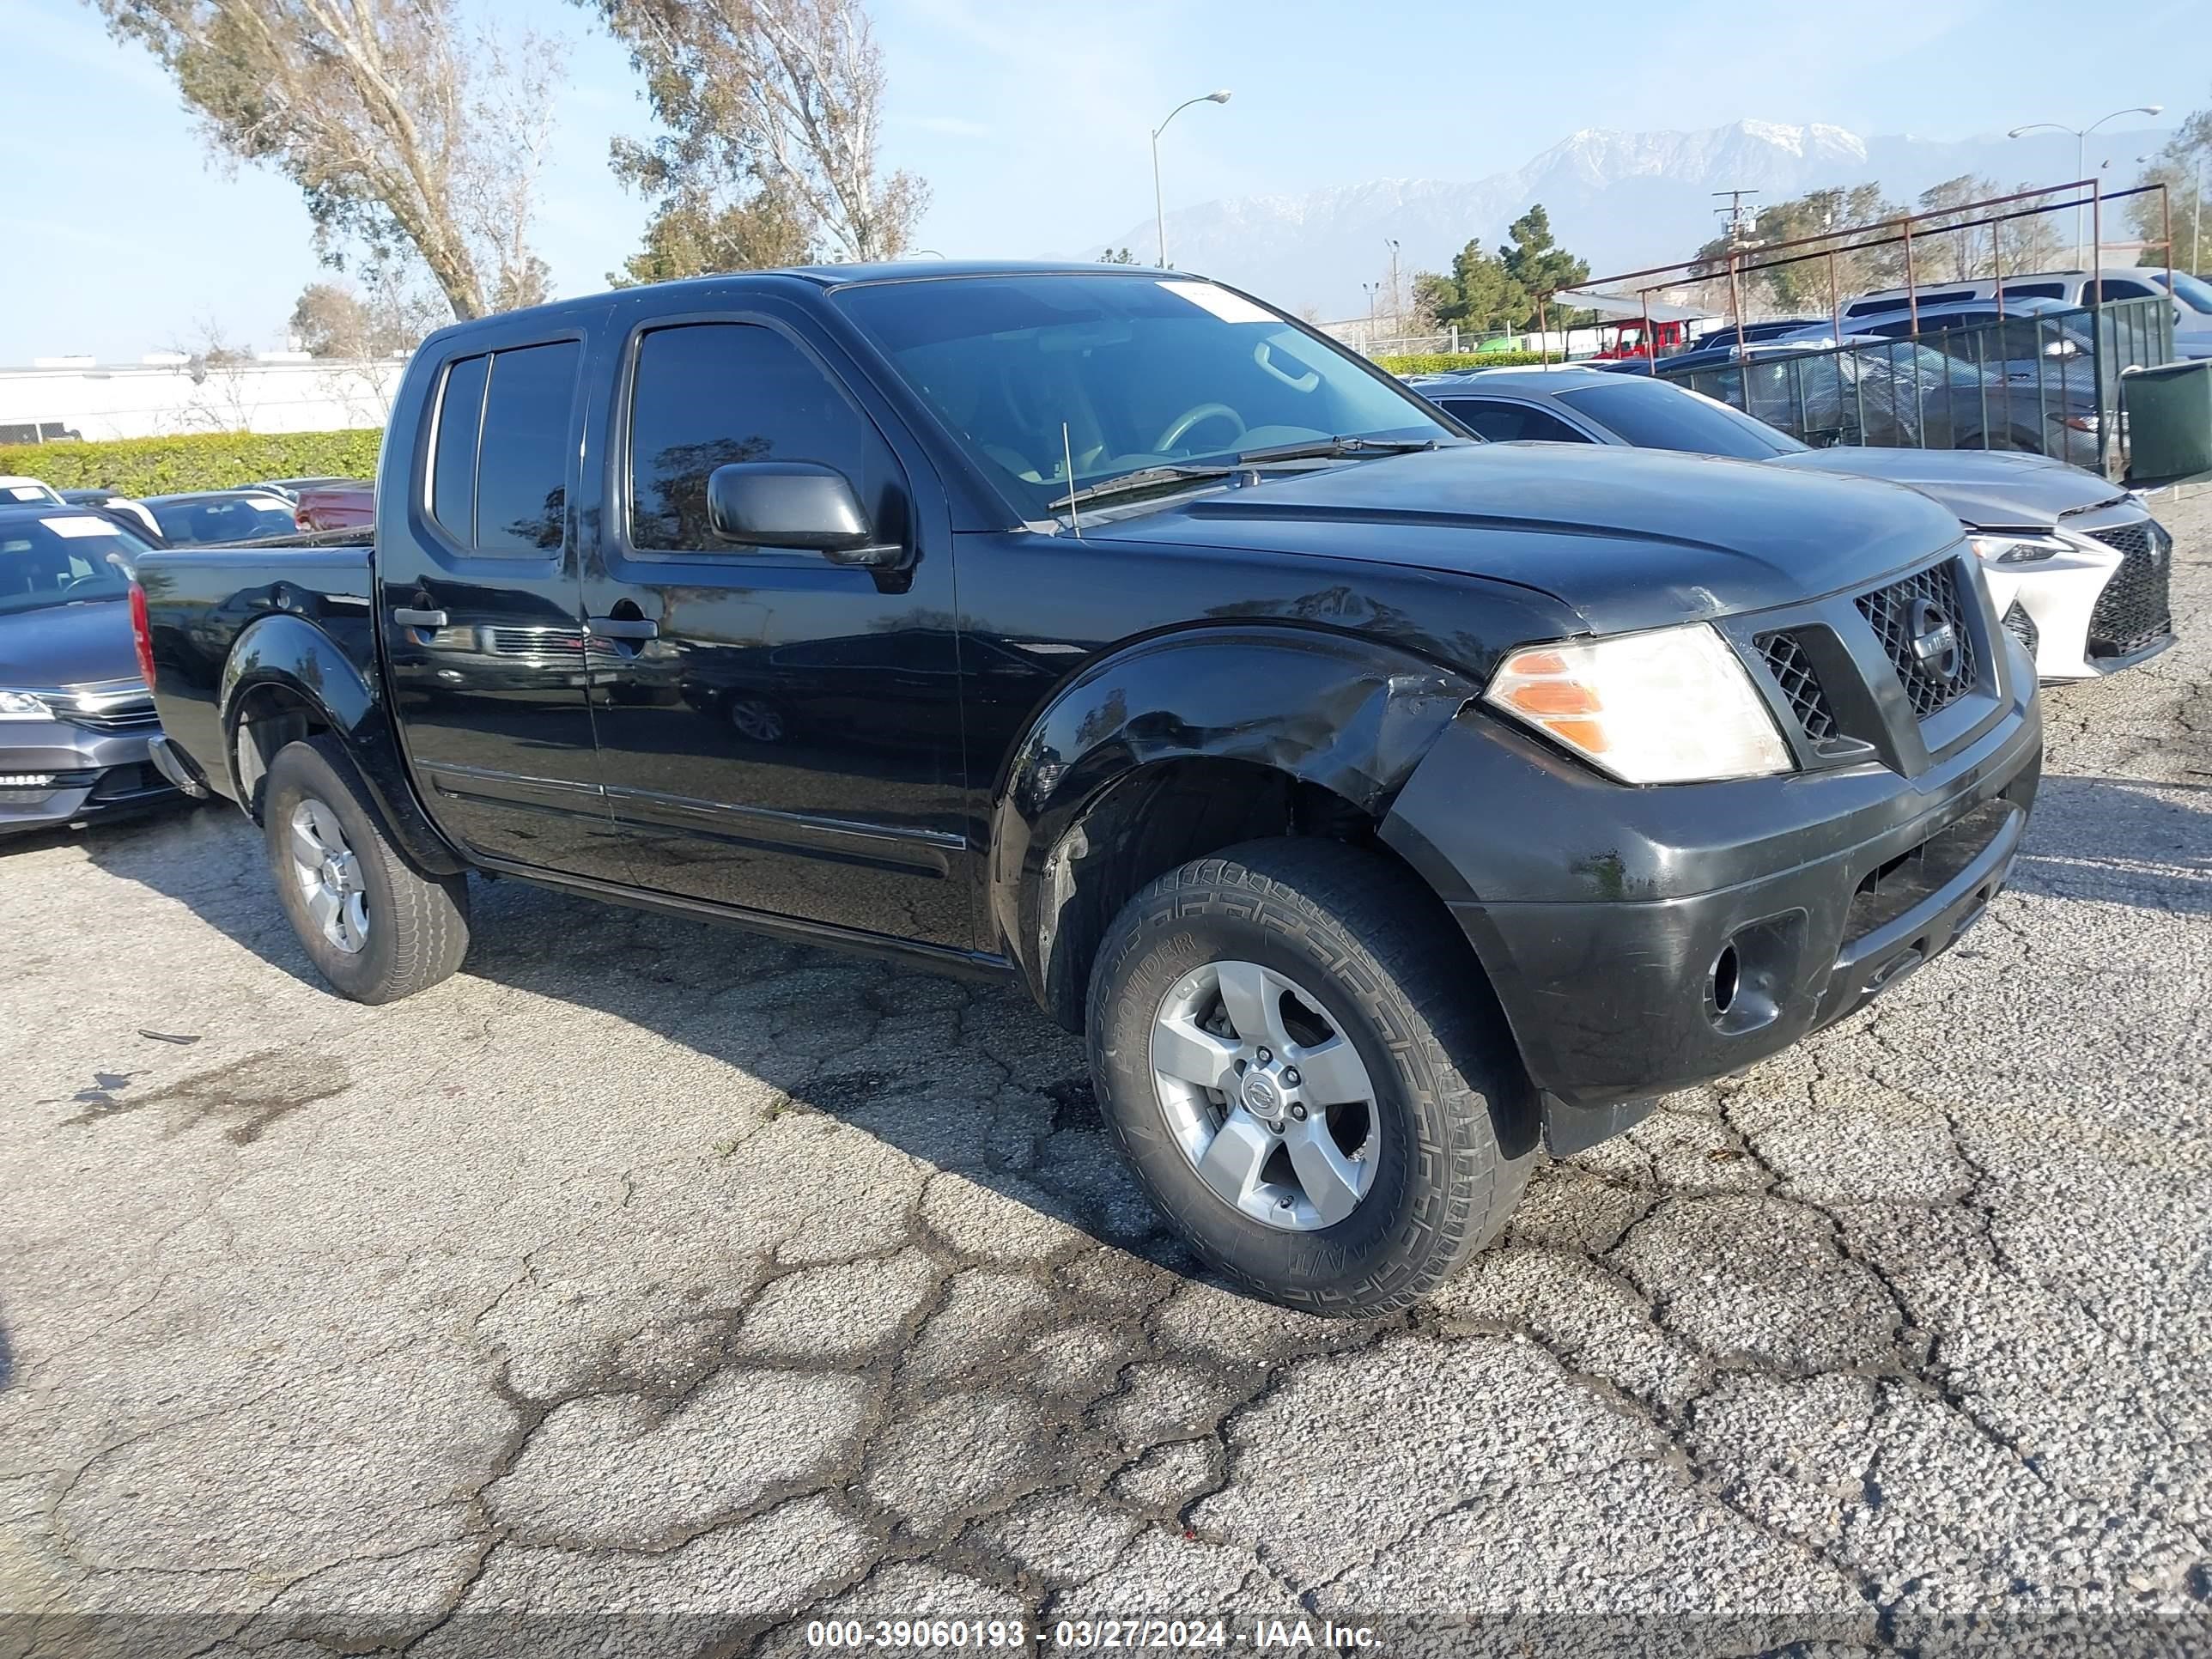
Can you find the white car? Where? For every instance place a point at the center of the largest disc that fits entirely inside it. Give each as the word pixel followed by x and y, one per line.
pixel 33 491
pixel 2080 570
pixel 2192 310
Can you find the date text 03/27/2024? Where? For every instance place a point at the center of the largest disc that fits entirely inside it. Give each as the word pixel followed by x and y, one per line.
pixel 1087 1635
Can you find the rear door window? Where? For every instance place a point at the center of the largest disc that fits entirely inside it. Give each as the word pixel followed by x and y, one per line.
pixel 523 461
pixel 500 461
pixel 454 460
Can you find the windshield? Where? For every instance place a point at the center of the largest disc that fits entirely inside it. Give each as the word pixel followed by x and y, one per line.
pixel 1904 361
pixel 1119 373
pixel 233 519
pixel 63 559
pixel 1652 415
pixel 2193 291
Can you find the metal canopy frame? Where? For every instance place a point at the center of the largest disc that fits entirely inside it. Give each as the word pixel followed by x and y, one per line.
pixel 1854 239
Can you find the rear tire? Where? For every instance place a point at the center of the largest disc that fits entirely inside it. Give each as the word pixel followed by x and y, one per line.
pixel 376 928
pixel 1343 945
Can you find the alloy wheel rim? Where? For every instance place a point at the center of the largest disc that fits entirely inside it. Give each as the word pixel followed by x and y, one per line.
pixel 1265 1093
pixel 756 719
pixel 328 876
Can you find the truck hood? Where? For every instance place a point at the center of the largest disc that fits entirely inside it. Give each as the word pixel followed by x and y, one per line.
pixel 67 645
pixel 1625 538
pixel 1993 491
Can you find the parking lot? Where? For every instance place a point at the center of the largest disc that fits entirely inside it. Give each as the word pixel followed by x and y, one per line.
pixel 652 1270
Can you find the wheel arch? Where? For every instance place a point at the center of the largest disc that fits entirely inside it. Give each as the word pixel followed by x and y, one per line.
pixel 286 679
pixel 1184 744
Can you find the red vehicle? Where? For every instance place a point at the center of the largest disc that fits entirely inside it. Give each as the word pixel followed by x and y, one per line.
pixel 345 506
pixel 1627 339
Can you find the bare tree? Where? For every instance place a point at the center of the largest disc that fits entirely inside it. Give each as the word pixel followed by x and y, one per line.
pixel 773 109
pixel 220 370
pixel 400 130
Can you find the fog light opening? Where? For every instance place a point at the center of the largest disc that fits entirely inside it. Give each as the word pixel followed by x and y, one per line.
pixel 1726 975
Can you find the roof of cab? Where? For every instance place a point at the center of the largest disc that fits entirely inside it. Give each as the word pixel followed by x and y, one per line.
pixel 830 277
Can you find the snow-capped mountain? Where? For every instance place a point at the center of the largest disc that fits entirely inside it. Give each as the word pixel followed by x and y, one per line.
pixel 1619 199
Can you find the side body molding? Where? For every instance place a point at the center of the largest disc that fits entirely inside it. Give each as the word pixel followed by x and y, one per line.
pixel 1349 714
pixel 295 656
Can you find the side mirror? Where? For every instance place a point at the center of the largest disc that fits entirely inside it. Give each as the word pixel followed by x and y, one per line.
pixel 798 504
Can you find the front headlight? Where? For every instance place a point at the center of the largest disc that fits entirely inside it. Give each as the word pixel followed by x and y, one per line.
pixel 1673 706
pixel 1999 549
pixel 23 706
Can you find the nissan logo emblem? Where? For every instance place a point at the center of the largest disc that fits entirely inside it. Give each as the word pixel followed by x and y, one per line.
pixel 1934 640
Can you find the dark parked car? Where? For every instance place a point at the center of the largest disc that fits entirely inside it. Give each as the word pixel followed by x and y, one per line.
pixel 1897 393
pixel 126 512
pixel 217 518
pixel 291 489
pixel 74 712
pixel 2078 568
pixel 1380 803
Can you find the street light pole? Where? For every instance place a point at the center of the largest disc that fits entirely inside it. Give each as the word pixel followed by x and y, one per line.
pixel 1159 205
pixel 2082 154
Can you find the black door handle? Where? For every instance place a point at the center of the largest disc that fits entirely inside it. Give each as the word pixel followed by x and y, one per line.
pixel 410 618
pixel 623 628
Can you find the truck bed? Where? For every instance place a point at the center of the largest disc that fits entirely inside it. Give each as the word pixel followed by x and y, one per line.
pixel 199 601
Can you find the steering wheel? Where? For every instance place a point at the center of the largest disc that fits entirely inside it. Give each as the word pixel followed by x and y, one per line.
pixel 1179 428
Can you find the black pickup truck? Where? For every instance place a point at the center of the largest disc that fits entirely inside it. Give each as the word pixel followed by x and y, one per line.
pixel 1382 803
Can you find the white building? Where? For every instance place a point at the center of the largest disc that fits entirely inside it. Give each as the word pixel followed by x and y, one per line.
pixel 170 392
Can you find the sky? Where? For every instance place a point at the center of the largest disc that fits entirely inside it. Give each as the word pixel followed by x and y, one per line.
pixel 1031 121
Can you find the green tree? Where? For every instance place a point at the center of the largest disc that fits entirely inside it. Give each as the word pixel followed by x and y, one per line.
pixel 770 113
pixel 1487 293
pixel 1535 262
pixel 1802 285
pixel 2181 166
pixel 1117 256
pixel 401 129
pixel 690 234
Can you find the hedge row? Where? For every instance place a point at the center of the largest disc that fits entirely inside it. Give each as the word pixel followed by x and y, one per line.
pixel 1447 362
pixel 198 460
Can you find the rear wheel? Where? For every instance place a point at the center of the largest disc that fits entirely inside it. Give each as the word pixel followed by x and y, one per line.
pixel 376 928
pixel 1287 1043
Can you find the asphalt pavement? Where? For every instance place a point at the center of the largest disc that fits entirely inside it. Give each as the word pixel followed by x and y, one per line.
pixel 651 1287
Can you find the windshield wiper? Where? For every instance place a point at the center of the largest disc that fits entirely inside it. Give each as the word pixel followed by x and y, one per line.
pixel 1155 477
pixel 1137 482
pixel 1333 448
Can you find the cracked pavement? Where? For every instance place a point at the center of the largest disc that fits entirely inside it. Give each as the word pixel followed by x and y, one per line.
pixel 694 1285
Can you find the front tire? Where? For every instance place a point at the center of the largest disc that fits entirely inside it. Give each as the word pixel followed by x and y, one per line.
pixel 1291 1049
pixel 376 928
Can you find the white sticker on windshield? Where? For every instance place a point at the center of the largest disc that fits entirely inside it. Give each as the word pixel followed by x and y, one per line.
pixel 1230 308
pixel 75 527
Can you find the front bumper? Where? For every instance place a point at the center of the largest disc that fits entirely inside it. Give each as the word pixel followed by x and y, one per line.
pixel 1607 958
pixel 2102 605
pixel 53 773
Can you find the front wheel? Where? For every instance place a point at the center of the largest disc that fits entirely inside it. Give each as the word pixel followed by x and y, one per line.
pixel 375 929
pixel 1302 1067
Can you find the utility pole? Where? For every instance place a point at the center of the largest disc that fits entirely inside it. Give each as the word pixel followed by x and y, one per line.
pixel 1741 224
pixel 1372 289
pixel 1396 308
